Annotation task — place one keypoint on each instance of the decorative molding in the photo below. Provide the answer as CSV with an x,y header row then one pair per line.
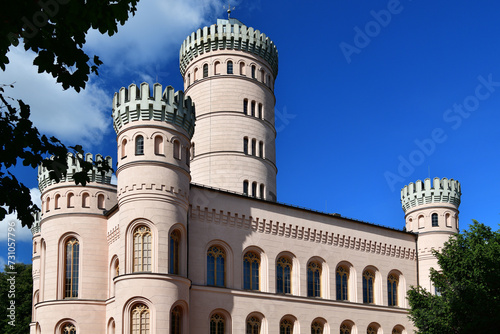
x,y
114,234
300,232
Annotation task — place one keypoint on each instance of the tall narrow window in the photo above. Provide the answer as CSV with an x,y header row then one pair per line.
x,y
229,67
68,328
139,145
159,145
368,280
70,200
262,193
314,279
392,289
245,106
142,249
262,75
371,330
251,268
283,275
254,147
253,71
245,145
85,200
205,70
124,148
316,328
177,149
47,206
140,320
254,189
260,111
217,68
100,202
57,202
261,149
188,159
242,68
189,79
253,108
245,187
71,268
216,261
217,324
345,329
195,75
342,276
175,239
253,325
176,320
286,326
434,218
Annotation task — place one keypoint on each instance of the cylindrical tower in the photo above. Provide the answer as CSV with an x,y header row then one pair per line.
x,y
431,210
70,249
154,134
229,71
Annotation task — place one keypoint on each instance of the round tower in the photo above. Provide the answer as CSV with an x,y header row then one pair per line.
x,y
154,134
431,211
229,71
69,250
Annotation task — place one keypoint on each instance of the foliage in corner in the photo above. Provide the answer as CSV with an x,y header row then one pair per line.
x,y
467,285
20,293
55,31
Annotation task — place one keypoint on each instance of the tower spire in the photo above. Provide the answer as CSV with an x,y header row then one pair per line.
x,y
229,9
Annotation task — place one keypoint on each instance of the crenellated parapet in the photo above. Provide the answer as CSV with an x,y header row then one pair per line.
x,y
135,104
44,179
228,35
431,191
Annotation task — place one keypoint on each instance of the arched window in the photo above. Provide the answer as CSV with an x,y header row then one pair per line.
x,y
68,328
177,149
317,327
142,249
217,324
283,275
47,206
100,202
175,239
262,192
286,326
262,75
57,202
176,320
245,187
368,284
140,320
342,276
251,269
252,110
245,106
254,189
371,330
314,279
434,218
242,68
261,149
253,325
392,289
124,148
345,329
205,70
195,75
253,71
71,268
245,145
217,68
70,200
189,79
260,111
188,159
229,67
139,145
396,330
254,147
216,266
86,200
159,145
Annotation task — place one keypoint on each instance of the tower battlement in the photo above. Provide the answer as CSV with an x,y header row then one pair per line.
x,y
228,35
44,179
134,104
435,191
35,228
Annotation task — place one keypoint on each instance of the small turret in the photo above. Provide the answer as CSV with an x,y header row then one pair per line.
x,y
431,210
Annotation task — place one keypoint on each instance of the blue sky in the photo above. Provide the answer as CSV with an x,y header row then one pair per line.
x,y
371,95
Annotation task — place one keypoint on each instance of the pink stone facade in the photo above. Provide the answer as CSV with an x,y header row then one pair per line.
x,y
192,238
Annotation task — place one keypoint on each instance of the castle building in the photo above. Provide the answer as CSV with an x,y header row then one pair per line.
x,y
192,238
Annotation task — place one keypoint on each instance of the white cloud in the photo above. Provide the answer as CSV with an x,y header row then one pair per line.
x,y
21,233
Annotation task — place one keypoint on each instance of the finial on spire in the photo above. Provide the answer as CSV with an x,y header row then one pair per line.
x,y
229,9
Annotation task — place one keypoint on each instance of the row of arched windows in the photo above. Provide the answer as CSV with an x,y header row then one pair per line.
x,y
230,69
261,189
250,147
256,110
449,220
57,202
159,148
